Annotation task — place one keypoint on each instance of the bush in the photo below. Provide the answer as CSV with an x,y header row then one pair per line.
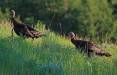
x,y
85,17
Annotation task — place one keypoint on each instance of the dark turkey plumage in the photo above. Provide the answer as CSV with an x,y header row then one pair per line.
x,y
87,46
24,30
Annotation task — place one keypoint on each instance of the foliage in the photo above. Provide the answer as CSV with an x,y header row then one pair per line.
x,y
88,18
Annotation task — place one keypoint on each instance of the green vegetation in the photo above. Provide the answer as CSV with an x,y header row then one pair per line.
x,y
88,18
49,55
54,54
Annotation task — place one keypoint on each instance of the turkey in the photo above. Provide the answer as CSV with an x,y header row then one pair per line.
x,y
24,30
87,46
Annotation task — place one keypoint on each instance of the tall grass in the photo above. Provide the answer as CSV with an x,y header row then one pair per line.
x,y
49,55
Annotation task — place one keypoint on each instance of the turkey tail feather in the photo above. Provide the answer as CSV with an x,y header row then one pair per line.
x,y
102,53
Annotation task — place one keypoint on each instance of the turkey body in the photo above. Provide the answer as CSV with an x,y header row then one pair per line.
x,y
88,47
85,45
24,30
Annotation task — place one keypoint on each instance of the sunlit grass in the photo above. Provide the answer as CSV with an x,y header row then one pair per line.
x,y
50,55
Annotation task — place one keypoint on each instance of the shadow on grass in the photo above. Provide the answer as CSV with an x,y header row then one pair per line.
x,y
13,62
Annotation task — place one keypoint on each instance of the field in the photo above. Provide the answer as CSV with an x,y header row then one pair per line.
x,y
50,55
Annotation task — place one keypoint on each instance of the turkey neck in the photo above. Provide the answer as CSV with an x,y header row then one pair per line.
x,y
77,42
73,40
15,23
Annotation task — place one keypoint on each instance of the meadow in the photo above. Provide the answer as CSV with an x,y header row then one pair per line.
x,y
50,55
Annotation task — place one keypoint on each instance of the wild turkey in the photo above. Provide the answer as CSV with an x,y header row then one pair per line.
x,y
87,46
24,30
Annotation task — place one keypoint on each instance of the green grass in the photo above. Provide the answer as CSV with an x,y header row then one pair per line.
x,y
50,55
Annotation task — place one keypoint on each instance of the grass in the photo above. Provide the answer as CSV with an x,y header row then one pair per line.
x,y
50,55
